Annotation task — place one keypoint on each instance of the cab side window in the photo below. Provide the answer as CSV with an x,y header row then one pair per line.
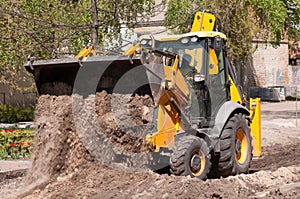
x,y
216,78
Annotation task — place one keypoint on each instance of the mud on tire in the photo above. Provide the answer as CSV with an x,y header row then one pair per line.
x,y
190,157
236,148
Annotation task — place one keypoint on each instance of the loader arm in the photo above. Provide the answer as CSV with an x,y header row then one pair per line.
x,y
173,98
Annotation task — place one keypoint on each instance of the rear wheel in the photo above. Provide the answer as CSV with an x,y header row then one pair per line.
x,y
191,157
236,148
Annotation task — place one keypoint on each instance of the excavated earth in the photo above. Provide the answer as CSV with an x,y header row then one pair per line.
x,y
95,148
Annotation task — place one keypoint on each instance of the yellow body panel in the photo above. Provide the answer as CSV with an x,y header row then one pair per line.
x,y
168,124
196,55
213,62
201,34
175,79
163,138
234,93
192,54
203,22
173,38
255,126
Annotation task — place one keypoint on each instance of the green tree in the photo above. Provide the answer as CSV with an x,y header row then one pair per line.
x,y
292,23
242,21
57,28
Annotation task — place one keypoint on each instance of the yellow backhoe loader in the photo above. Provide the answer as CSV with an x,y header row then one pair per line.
x,y
202,116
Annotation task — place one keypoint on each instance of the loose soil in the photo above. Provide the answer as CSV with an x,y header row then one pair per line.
x,y
83,153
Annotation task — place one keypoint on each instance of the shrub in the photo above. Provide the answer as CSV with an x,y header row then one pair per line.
x,y
9,114
15,143
292,98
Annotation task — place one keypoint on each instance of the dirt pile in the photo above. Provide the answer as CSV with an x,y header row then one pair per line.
x,y
57,146
101,182
78,146
72,131
124,119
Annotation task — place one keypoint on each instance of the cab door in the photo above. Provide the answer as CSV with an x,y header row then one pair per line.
x,y
216,79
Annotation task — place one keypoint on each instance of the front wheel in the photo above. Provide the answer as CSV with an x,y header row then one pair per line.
x,y
191,157
236,147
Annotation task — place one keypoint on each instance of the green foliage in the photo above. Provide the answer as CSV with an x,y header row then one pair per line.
x,y
49,29
179,15
241,21
56,28
9,114
271,16
41,28
15,143
292,24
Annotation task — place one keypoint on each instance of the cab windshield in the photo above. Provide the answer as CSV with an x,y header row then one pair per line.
x,y
189,50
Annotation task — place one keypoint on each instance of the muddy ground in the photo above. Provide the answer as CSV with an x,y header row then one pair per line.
x,y
62,167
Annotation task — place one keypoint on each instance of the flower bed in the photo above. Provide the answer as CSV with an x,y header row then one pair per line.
x,y
15,143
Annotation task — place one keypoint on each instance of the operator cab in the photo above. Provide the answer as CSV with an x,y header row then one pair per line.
x,y
201,60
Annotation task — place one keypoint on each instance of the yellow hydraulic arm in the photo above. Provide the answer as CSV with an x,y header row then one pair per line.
x,y
86,51
174,93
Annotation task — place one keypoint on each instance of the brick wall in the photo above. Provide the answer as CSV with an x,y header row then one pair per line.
x,y
271,64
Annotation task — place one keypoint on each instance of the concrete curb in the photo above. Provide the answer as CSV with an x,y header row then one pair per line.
x,y
21,125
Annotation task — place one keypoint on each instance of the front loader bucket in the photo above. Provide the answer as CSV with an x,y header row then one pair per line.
x,y
89,75
54,73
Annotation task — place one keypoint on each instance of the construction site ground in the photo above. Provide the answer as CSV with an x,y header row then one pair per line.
x,y
275,175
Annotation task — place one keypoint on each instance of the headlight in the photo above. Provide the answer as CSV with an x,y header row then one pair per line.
x,y
144,42
194,39
185,40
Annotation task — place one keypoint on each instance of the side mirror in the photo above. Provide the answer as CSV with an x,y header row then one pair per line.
x,y
218,43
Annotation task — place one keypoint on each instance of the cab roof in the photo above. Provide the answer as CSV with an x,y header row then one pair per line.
x,y
200,34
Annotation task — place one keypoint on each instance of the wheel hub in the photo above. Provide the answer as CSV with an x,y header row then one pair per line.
x,y
195,162
238,146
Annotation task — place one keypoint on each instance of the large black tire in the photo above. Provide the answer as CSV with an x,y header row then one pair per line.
x,y
236,148
191,157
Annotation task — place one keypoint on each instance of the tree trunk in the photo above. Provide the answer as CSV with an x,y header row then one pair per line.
x,y
95,40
